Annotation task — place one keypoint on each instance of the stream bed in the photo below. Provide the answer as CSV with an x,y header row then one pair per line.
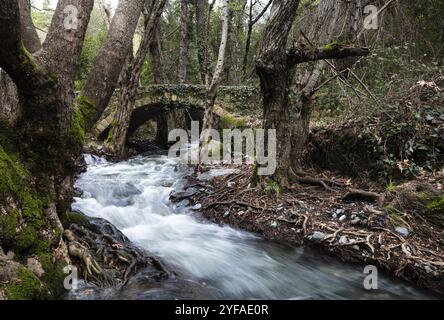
x,y
232,264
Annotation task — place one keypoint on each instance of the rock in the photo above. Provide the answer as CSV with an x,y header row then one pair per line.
x,y
334,216
274,224
402,231
356,247
35,267
428,269
339,211
342,218
355,221
317,236
231,184
226,213
197,206
343,240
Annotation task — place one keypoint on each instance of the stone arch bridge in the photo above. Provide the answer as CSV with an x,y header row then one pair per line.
x,y
174,106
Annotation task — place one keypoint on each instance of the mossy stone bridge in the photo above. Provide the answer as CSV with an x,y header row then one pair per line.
x,y
176,105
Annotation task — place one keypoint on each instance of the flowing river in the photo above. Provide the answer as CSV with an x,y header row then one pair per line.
x,y
134,196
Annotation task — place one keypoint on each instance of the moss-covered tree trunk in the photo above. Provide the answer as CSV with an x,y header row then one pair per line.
x,y
37,156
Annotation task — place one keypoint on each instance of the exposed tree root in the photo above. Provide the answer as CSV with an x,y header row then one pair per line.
x,y
301,177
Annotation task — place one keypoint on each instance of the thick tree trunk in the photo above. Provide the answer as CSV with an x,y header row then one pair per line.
x,y
276,76
129,90
104,75
184,40
275,67
9,107
43,159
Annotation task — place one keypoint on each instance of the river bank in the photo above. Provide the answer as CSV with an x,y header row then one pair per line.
x,y
338,220
210,260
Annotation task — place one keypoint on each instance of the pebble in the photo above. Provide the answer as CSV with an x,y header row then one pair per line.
x,y
274,224
428,269
342,218
197,206
334,215
226,213
317,236
343,240
231,184
340,211
402,231
355,221
355,247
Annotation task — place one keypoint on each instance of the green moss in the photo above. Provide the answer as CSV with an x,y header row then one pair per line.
x,y
228,121
436,205
88,111
77,129
54,275
69,218
8,226
331,46
27,287
395,216
26,57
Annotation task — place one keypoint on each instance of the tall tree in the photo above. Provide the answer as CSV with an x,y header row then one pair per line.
x,y
184,40
105,73
47,145
275,67
129,89
212,85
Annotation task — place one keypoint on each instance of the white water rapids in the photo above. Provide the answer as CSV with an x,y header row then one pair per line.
x,y
134,196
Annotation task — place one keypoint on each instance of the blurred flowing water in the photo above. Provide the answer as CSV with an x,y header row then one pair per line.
x,y
134,196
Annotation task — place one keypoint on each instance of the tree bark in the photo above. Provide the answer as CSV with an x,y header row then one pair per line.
x,y
212,87
105,73
275,67
9,107
202,38
184,40
159,74
129,90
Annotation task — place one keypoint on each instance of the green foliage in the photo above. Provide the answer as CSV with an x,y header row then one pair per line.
x,y
273,187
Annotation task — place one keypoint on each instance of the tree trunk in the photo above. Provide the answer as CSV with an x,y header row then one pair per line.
x,y
211,88
275,67
157,59
104,75
43,159
9,108
159,78
129,90
184,40
202,38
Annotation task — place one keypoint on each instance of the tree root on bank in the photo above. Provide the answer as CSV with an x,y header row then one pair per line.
x,y
367,195
301,177
107,259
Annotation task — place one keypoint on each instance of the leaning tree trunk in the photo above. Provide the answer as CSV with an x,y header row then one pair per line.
x,y
212,87
105,73
129,90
